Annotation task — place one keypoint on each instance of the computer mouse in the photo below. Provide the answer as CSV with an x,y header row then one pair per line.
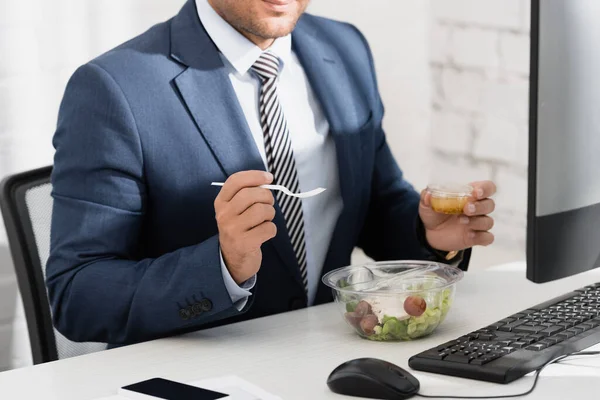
x,y
373,378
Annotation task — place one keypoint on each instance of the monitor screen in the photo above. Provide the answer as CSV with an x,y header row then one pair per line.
x,y
563,235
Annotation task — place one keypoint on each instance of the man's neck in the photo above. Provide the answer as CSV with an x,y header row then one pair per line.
x,y
257,40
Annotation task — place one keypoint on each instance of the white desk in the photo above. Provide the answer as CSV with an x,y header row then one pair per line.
x,y
291,355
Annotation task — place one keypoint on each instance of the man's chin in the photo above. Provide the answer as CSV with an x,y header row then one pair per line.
x,y
276,29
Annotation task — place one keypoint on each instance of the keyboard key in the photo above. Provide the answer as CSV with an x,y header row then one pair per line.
x,y
552,330
482,361
433,355
576,331
527,340
557,338
509,327
447,345
585,326
566,325
508,349
529,329
514,338
519,345
566,335
593,323
506,320
548,341
458,358
518,316
505,342
537,347
487,336
495,326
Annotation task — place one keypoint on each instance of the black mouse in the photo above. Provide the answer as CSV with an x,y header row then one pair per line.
x,y
373,378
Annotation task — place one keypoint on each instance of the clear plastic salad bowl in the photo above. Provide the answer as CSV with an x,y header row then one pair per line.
x,y
394,300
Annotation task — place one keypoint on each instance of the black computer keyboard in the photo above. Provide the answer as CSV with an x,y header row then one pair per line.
x,y
515,346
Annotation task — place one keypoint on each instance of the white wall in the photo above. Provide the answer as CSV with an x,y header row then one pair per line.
x,y
480,74
42,42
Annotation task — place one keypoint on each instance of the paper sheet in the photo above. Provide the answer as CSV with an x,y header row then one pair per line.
x,y
235,387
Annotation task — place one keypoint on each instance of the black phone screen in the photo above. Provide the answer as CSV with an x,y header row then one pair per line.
x,y
169,390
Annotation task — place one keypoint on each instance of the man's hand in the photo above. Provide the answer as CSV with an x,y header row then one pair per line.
x,y
459,232
244,214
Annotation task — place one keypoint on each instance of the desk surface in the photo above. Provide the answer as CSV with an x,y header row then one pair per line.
x,y
291,355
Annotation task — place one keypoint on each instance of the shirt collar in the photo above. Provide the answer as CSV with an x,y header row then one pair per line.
x,y
235,47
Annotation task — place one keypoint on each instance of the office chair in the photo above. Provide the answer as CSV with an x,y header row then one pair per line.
x,y
26,204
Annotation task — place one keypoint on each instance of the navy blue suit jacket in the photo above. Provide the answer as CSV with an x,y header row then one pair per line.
x,y
142,132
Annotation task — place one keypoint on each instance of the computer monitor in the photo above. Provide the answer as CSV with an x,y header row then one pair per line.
x,y
563,232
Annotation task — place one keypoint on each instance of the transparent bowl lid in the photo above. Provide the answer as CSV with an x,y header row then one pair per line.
x,y
450,190
393,277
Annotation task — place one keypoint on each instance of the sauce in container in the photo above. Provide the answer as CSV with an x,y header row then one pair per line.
x,y
449,198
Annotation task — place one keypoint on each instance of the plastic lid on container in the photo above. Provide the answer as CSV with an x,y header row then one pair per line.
x,y
450,190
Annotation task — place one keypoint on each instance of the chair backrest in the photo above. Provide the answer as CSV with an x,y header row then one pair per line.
x,y
26,204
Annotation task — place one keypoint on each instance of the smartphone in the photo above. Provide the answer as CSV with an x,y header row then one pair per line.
x,y
158,388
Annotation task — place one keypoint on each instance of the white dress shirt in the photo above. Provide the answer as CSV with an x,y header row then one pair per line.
x,y
314,148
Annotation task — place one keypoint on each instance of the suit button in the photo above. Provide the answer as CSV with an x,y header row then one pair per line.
x,y
184,314
196,309
297,304
206,305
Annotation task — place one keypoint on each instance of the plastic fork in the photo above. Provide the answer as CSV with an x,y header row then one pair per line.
x,y
285,190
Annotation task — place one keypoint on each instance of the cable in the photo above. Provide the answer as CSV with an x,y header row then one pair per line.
x,y
535,381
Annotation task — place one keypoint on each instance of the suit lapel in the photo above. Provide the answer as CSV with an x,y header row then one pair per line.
x,y
206,91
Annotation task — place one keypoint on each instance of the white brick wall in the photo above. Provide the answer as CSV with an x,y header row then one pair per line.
x,y
494,14
474,47
480,67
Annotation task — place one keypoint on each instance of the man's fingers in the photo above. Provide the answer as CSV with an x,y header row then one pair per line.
x,y
484,223
477,238
426,198
246,197
260,234
243,179
256,215
483,189
482,207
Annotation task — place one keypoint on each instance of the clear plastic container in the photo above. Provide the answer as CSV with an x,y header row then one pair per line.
x,y
449,198
396,300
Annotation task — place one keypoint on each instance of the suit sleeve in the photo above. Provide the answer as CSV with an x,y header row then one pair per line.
x,y
393,229
100,287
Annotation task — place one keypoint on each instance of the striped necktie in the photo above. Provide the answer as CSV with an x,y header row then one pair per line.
x,y
280,156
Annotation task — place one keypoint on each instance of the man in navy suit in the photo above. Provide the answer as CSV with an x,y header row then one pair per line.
x,y
144,246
